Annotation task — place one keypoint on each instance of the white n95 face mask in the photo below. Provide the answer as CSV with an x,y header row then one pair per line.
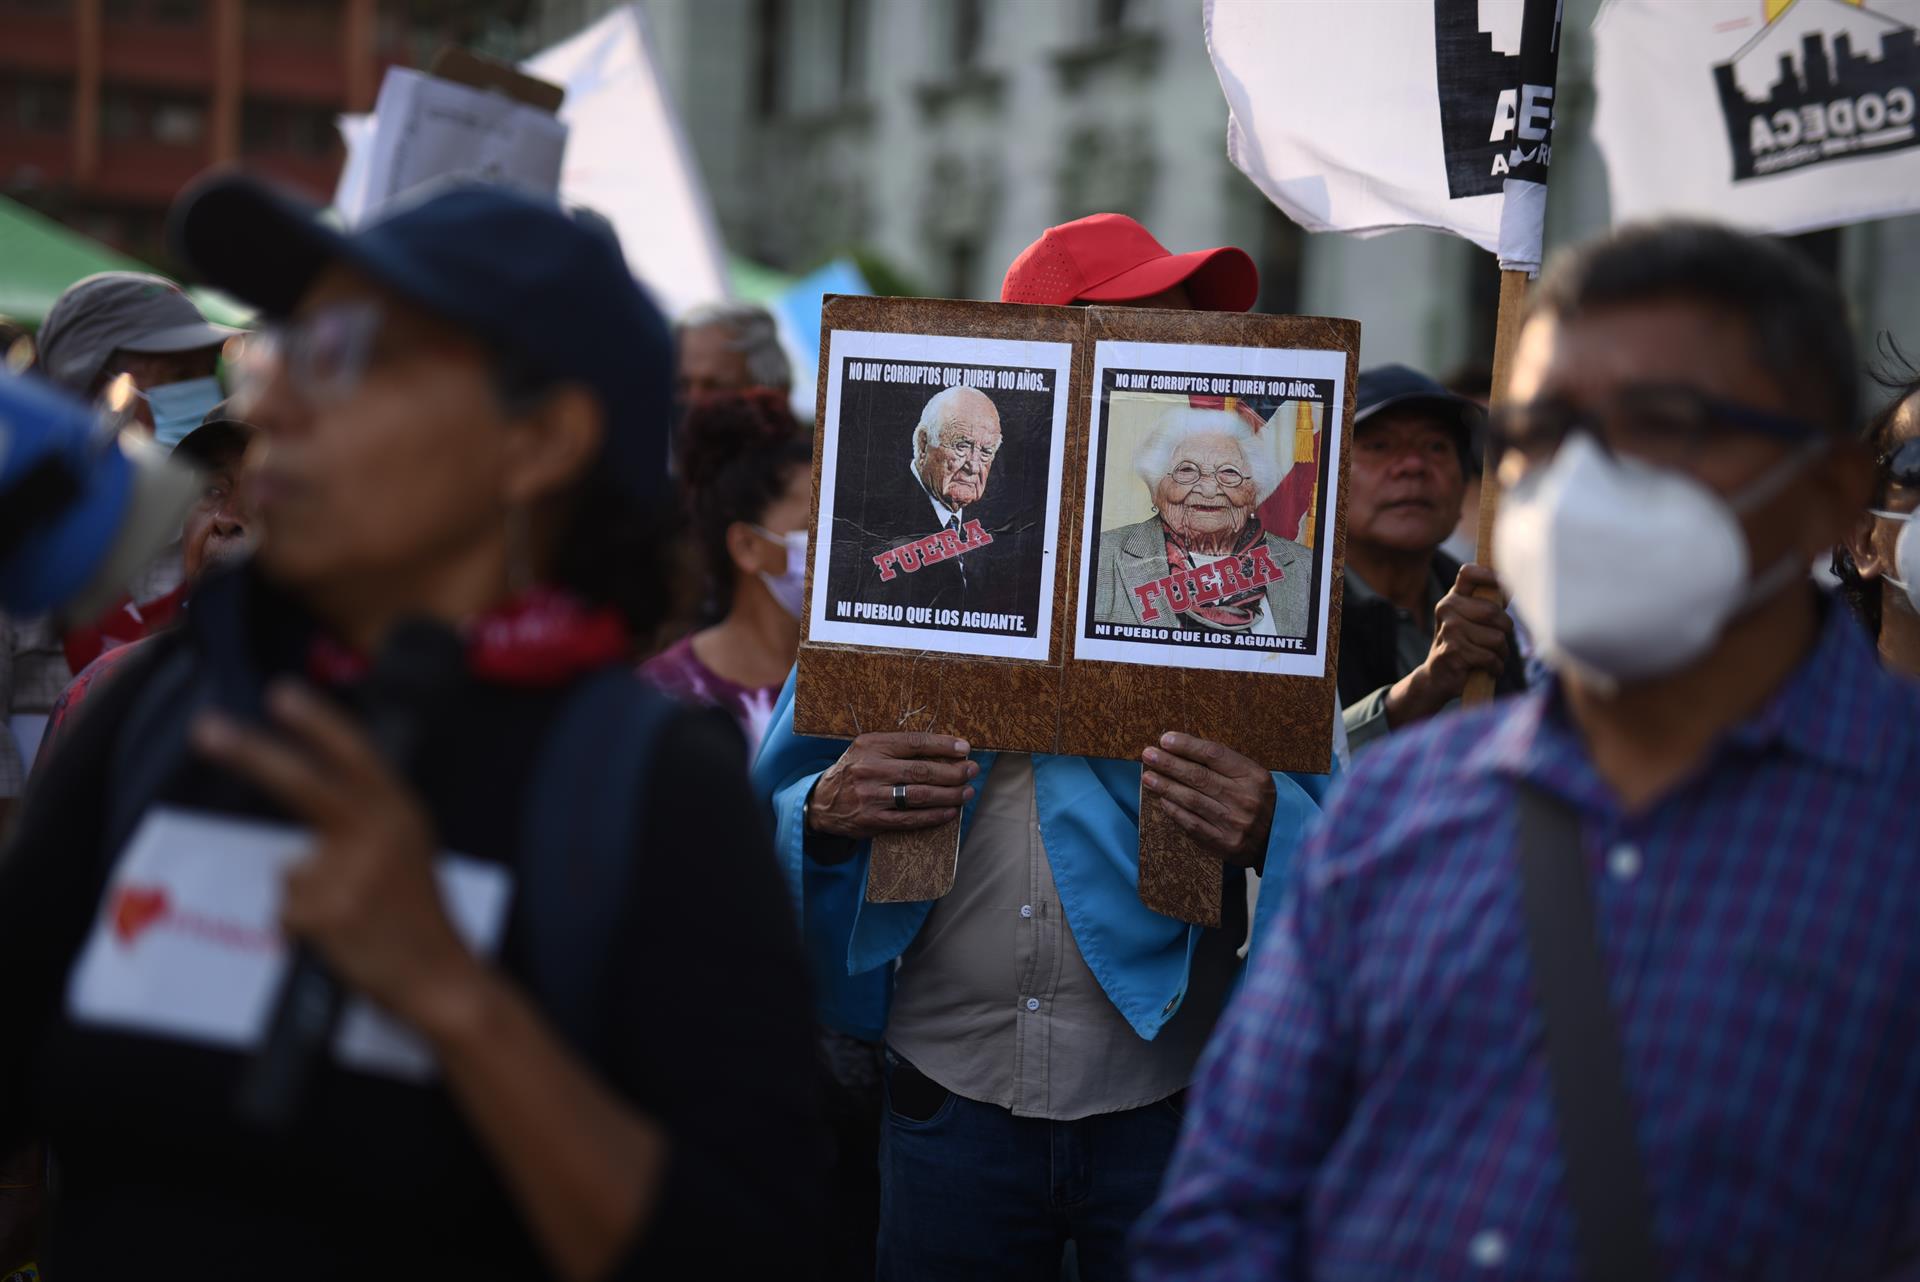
x,y
1622,570
789,587
1906,555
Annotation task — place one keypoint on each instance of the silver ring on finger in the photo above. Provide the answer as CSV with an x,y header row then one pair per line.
x,y
899,796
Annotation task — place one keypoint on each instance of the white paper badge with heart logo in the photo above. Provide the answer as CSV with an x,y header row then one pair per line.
x,y
187,942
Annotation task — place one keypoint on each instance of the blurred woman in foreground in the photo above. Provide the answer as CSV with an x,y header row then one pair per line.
x,y
551,1065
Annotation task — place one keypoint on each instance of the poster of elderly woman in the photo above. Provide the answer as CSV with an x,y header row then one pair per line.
x,y
1210,484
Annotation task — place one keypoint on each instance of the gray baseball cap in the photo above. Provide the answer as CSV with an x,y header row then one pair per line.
x,y
119,311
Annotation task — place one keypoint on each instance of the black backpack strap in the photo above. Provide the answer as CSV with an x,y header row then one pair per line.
x,y
152,739
1612,1211
584,813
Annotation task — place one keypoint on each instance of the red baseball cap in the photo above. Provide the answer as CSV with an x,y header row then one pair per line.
x,y
1109,258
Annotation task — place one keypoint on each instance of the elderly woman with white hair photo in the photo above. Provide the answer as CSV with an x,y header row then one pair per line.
x,y
1202,560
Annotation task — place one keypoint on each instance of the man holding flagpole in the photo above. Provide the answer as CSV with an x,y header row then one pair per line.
x,y
1436,113
1613,979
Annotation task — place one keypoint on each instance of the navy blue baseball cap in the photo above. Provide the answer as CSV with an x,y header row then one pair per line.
x,y
517,271
1390,386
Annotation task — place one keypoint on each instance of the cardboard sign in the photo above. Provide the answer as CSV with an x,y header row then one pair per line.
x,y
1069,530
431,128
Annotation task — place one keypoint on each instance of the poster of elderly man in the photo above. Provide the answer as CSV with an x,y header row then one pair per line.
x,y
1209,485
941,481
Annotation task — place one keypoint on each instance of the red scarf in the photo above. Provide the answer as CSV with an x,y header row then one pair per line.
x,y
543,638
1234,613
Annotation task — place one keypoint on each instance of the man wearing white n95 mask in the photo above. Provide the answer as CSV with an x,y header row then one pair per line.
x,y
1721,773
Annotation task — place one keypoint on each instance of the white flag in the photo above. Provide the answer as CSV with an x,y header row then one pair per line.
x,y
628,160
1365,116
1777,115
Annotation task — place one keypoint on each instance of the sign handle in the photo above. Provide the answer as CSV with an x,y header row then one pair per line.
x,y
1177,875
907,867
1506,336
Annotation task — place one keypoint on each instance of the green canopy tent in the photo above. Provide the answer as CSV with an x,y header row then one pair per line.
x,y
756,282
39,258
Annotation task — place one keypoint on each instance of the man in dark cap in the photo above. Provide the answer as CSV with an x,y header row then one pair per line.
x,y
217,531
1411,630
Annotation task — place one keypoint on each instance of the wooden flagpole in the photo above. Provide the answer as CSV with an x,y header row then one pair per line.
x,y
1506,336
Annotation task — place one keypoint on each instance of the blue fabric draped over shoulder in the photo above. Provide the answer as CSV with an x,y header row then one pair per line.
x,y
1090,821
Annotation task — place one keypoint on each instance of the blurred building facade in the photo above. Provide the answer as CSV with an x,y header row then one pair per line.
x,y
111,106
943,135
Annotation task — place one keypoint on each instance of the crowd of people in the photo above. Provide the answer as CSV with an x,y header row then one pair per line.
x,y
680,1042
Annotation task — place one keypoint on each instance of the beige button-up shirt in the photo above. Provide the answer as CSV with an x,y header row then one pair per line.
x,y
995,1003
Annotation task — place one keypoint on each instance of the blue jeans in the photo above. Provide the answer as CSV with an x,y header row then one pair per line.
x,y
969,1191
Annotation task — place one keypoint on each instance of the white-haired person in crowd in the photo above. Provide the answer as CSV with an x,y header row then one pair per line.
x,y
1202,559
720,349
729,347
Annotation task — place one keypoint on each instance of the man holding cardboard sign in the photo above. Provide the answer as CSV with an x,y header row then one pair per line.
x,y
1074,1058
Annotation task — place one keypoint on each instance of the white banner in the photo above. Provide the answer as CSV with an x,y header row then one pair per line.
x,y
1781,116
628,160
1366,116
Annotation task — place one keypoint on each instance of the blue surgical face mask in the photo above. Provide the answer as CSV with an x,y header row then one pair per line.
x,y
178,408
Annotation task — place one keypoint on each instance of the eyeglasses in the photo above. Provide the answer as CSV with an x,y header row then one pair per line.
x,y
324,354
965,450
1661,424
1901,465
1188,475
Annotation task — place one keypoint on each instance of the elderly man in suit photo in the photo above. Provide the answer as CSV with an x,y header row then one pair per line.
x,y
929,540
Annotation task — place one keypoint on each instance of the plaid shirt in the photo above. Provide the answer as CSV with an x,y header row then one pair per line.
x,y
1375,1104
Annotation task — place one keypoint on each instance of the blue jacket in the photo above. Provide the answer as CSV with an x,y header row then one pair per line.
x,y
1089,819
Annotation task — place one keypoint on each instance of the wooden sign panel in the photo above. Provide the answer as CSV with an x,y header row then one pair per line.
x,y
912,625
1163,636
1067,530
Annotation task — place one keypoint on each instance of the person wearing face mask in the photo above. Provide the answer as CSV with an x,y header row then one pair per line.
x,y
1729,776
1879,564
143,326
746,489
101,327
